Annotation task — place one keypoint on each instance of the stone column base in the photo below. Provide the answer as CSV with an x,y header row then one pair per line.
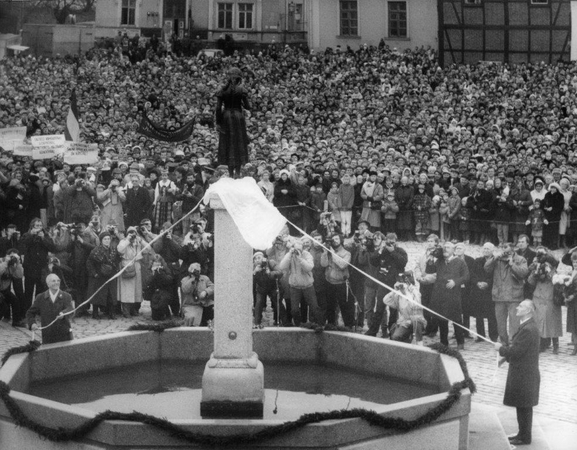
x,y
233,388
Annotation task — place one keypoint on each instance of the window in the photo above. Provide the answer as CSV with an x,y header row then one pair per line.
x,y
245,16
225,15
349,18
472,2
397,19
128,12
539,2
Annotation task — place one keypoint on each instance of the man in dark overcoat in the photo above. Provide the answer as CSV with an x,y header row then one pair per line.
x,y
523,378
451,274
481,303
138,203
51,305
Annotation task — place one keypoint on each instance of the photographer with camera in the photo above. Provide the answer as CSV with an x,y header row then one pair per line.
x,y
548,314
130,284
111,201
509,272
196,248
10,239
197,294
101,265
265,275
11,273
160,289
299,264
390,260
365,245
337,273
410,319
35,246
191,194
79,201
79,249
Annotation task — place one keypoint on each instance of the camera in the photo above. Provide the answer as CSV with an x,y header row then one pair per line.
x,y
264,264
13,260
438,252
195,228
79,182
111,229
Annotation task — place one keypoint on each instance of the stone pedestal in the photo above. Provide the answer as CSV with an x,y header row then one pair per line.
x,y
233,380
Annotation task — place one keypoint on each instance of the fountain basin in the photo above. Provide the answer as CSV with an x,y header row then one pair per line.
x,y
348,351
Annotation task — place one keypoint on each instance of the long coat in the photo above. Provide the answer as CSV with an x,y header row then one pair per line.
x,y
60,330
547,315
130,289
444,301
233,138
373,216
112,211
481,303
138,203
523,378
404,197
98,258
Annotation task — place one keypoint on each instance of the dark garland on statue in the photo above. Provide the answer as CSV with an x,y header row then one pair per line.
x,y
390,423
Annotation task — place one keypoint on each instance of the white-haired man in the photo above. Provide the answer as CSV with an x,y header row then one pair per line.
x,y
51,305
523,378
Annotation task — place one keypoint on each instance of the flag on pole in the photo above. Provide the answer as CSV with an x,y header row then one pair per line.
x,y
72,131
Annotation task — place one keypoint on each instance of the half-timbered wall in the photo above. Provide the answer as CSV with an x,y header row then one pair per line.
x,y
513,31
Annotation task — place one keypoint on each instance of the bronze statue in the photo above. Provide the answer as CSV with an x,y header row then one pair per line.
x,y
231,124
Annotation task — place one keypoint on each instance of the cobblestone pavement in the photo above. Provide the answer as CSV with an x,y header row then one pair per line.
x,y
558,372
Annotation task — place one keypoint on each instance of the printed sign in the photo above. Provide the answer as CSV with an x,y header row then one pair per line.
x,y
11,137
23,150
81,153
47,147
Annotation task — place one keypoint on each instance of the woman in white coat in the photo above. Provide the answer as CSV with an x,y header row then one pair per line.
x,y
130,282
111,201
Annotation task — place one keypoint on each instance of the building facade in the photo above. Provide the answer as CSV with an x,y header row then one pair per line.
x,y
511,31
402,24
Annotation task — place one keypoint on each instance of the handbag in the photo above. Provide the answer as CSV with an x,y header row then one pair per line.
x,y
106,270
376,205
129,272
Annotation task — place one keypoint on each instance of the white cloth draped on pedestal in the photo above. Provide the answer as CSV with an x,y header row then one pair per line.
x,y
258,221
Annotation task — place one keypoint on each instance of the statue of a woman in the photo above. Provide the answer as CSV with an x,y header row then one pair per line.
x,y
231,125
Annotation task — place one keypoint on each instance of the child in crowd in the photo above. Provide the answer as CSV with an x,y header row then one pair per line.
x,y
464,220
389,210
536,220
334,202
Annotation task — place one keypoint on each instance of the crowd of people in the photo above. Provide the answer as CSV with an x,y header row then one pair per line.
x,y
348,144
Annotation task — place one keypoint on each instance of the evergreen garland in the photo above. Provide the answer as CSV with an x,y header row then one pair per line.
x,y
390,423
158,327
30,347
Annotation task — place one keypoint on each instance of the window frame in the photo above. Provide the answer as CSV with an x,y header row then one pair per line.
x,y
224,11
390,20
539,3
472,3
352,31
245,13
128,9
